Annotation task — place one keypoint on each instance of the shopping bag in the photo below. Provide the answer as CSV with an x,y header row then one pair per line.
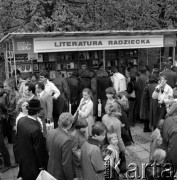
x,y
44,175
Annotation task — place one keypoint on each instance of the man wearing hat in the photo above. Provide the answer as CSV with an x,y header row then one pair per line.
x,y
31,143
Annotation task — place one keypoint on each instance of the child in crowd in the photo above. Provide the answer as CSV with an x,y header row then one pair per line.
x,y
155,169
112,155
156,139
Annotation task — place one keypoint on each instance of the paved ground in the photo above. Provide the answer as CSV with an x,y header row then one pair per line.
x,y
138,152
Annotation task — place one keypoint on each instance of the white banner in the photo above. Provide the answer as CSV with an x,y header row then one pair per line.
x,y
96,43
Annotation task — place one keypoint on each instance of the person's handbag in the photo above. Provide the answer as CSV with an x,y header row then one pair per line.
x,y
44,175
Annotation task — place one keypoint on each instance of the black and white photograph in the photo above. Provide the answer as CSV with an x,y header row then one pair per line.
x,y
48,66
88,89
35,67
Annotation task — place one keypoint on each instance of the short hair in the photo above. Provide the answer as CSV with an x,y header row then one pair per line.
x,y
110,90
11,83
45,74
114,69
98,128
35,75
75,73
170,59
163,76
41,85
31,87
89,92
159,155
111,136
81,124
101,73
65,119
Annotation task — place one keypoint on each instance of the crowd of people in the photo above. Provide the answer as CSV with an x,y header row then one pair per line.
x,y
92,113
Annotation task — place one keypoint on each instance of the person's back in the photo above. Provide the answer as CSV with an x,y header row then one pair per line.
x,y
57,140
59,146
74,97
90,158
31,148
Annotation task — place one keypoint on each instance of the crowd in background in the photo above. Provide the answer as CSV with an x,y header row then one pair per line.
x,y
92,112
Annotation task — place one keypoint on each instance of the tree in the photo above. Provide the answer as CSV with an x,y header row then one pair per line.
x,y
86,15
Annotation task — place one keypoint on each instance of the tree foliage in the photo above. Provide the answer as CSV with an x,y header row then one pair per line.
x,y
86,15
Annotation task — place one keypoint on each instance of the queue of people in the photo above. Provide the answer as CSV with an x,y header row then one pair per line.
x,y
92,113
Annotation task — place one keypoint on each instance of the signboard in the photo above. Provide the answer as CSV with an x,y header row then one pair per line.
x,y
23,46
96,43
32,56
23,67
170,40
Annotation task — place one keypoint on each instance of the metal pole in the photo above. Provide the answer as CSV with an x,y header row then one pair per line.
x,y
10,59
104,62
147,58
6,63
160,60
174,60
15,68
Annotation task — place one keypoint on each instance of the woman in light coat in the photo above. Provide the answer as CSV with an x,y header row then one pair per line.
x,y
85,110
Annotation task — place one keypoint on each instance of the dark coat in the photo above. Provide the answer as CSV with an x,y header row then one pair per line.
x,y
142,81
60,149
31,148
145,104
102,84
62,84
74,94
171,77
154,106
169,135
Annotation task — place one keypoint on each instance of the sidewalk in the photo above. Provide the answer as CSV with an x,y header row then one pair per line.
x,y
138,152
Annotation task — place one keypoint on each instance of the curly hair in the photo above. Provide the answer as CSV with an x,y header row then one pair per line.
x,y
111,90
19,104
11,83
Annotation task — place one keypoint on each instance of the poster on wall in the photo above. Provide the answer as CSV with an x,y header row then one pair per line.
x,y
52,75
35,67
41,67
48,66
64,74
52,57
24,45
40,58
23,67
32,56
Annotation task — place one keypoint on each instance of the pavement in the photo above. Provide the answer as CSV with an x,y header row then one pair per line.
x,y
138,154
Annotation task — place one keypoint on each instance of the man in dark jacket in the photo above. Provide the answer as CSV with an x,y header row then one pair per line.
x,y
169,136
73,86
60,149
31,143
